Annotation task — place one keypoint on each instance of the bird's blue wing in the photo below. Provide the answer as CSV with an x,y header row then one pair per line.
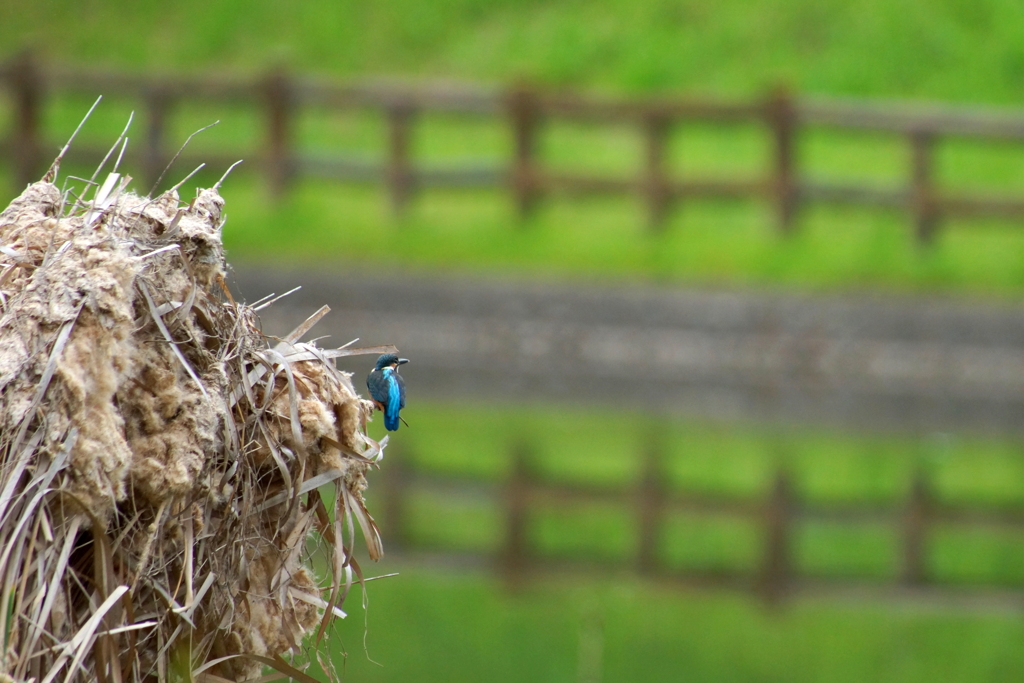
x,y
396,398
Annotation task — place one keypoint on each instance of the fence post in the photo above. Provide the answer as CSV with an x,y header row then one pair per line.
x,y
774,579
782,118
277,95
650,504
656,130
525,117
26,84
922,196
399,173
517,494
915,520
154,162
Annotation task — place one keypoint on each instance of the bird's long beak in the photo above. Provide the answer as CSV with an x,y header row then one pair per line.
x,y
403,361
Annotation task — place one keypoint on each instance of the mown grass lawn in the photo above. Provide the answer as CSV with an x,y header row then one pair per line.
x,y
444,626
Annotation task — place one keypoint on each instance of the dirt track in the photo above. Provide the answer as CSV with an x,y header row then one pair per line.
x,y
904,363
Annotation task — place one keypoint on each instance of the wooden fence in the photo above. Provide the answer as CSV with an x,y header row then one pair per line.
x,y
779,514
526,111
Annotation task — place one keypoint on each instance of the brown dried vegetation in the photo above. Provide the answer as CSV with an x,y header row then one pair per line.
x,y
161,460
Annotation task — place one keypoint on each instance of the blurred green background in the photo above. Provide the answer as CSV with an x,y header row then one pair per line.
x,y
951,52
434,624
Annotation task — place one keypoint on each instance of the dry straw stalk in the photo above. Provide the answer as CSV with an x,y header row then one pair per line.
x,y
162,462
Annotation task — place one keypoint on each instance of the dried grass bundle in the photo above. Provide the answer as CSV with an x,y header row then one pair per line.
x,y
161,461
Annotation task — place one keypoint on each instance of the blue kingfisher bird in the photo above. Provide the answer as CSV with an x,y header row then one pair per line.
x,y
387,388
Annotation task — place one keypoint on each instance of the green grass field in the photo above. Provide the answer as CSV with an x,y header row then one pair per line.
x,y
425,625
938,49
469,625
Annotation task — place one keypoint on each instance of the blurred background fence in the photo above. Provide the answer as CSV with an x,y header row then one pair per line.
x,y
517,503
282,97
857,364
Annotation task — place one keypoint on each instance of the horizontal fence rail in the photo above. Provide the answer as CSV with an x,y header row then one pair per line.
x,y
526,111
778,514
